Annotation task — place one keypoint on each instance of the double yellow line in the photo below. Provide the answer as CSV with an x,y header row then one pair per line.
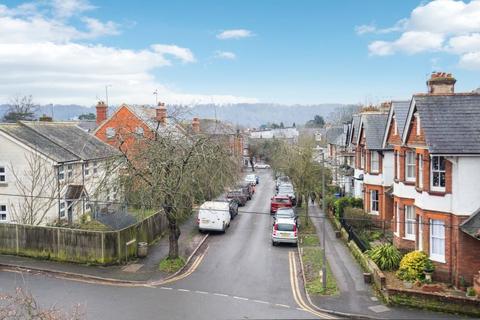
x,y
185,274
297,294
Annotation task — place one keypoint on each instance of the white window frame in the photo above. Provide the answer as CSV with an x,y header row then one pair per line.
x,y
86,169
397,219
110,132
410,222
3,174
437,256
410,165
3,213
61,172
420,171
374,160
397,168
376,201
420,233
139,131
62,206
69,170
439,171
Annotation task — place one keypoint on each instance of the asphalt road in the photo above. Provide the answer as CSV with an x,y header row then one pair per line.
x,y
242,276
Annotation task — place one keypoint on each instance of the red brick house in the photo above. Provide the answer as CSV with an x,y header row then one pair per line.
x,y
376,163
436,192
129,123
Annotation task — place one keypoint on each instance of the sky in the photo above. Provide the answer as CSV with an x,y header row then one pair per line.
x,y
289,51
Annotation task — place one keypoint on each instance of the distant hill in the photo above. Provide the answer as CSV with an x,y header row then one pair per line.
x,y
250,115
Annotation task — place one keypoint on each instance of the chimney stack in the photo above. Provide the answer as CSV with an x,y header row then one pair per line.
x,y
101,112
45,118
196,125
161,113
441,83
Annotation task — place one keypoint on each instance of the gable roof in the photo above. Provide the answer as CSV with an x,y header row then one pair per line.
x,y
451,123
60,141
373,124
333,135
471,226
400,109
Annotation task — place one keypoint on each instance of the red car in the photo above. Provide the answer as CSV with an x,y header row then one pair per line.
x,y
280,202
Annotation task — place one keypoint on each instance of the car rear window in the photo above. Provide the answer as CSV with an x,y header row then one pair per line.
x,y
287,214
282,200
284,227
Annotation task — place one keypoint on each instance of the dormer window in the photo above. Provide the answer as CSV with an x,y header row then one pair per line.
x,y
110,132
437,173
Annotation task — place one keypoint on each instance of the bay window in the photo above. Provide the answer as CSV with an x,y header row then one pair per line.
x,y
410,166
437,173
437,240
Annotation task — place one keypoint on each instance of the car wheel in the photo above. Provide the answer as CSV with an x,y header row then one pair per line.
x,y
274,243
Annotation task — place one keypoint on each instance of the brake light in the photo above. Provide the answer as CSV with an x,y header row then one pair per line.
x,y
294,230
275,228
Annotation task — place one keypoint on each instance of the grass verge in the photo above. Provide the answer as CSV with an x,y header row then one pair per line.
x,y
171,265
312,259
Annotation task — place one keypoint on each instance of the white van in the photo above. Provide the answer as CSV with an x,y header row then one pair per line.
x,y
214,215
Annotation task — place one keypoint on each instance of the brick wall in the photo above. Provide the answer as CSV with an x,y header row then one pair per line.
x,y
412,137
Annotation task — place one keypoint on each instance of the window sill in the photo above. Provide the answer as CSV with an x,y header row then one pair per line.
x,y
409,238
438,259
374,213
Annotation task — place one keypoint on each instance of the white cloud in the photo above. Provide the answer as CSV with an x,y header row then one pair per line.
x,y
441,25
235,34
49,58
225,55
68,8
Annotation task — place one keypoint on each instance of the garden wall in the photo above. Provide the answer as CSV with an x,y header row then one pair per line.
x,y
80,246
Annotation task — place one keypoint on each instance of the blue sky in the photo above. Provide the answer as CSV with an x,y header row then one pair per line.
x,y
298,52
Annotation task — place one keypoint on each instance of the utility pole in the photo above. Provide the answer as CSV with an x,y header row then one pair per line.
x,y
106,93
324,261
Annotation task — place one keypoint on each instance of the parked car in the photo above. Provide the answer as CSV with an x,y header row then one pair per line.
x,y
214,215
233,208
239,195
279,202
286,189
248,188
287,213
261,166
284,231
281,180
251,178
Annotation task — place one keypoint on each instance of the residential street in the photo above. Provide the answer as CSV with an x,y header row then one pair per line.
x,y
241,276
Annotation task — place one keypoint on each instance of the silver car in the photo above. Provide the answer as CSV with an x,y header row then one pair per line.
x,y
284,231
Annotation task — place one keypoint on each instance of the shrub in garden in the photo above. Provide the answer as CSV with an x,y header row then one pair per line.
x,y
386,256
412,266
357,218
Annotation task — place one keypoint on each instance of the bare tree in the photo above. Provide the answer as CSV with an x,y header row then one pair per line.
x,y
23,305
173,170
21,108
343,114
37,188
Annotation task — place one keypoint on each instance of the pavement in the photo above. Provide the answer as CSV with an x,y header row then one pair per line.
x,y
355,296
138,270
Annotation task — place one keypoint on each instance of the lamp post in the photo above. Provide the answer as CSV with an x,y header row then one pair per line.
x,y
324,263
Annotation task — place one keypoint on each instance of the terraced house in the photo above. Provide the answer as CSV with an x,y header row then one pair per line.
x,y
436,195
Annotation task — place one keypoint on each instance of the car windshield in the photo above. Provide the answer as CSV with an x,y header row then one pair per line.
x,y
285,227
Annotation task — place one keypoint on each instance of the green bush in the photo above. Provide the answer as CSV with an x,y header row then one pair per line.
x,y
412,266
344,202
471,292
358,219
386,256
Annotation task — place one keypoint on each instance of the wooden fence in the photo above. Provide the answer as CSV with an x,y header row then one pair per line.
x,y
80,246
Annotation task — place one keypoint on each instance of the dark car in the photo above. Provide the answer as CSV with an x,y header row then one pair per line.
x,y
248,188
233,207
239,195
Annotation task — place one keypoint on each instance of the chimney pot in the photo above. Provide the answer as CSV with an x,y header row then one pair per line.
x,y
196,125
441,83
161,113
101,112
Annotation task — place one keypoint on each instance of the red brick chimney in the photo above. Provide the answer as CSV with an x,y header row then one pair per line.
x,y
196,125
441,83
161,113
101,112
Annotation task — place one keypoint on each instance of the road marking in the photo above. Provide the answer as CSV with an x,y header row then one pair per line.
x,y
183,290
166,288
190,270
260,301
282,305
240,298
201,292
220,295
297,296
